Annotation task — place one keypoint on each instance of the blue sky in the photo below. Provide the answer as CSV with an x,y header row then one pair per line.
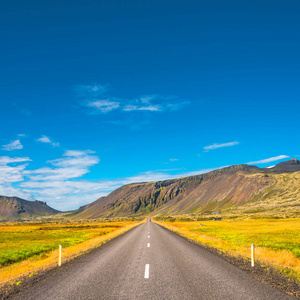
x,y
96,94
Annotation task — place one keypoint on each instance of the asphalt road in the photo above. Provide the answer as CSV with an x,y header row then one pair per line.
x,y
149,262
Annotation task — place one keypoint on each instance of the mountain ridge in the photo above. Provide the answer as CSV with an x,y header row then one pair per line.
x,y
16,208
212,192
205,193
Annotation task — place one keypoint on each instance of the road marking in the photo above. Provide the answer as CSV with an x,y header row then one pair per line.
x,y
147,271
148,245
148,236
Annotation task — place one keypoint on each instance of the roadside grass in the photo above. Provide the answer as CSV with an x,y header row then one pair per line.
x,y
26,249
277,241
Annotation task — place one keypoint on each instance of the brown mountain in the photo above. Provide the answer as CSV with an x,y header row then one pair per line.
x,y
227,189
291,165
219,189
15,208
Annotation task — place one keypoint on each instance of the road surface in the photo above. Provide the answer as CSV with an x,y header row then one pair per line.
x,y
149,262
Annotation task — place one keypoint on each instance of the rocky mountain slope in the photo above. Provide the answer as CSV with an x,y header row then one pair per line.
x,y
236,190
291,165
16,208
210,193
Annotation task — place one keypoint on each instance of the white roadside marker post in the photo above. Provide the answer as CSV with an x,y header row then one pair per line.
x,y
59,256
252,255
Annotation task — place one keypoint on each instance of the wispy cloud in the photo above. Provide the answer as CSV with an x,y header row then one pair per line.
x,y
79,161
77,152
131,107
173,159
103,106
74,164
216,146
95,98
267,160
90,91
14,145
9,174
45,139
4,160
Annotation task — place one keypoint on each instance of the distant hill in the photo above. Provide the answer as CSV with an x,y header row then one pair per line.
x,y
220,190
15,208
291,165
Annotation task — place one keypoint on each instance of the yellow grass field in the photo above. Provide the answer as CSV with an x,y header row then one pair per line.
x,y
26,249
277,241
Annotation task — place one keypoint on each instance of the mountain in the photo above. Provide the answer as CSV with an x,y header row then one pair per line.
x,y
229,189
239,189
291,165
15,208
208,192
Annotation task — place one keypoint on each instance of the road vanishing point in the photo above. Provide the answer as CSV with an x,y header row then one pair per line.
x,y
150,262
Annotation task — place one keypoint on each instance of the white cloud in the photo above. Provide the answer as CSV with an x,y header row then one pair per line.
x,y
77,152
11,174
173,159
76,158
92,96
90,91
45,139
4,160
44,174
9,191
14,145
216,146
267,160
154,103
104,106
74,164
149,108
79,162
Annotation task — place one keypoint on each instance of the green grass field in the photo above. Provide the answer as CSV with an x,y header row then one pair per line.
x,y
277,241
29,248
20,242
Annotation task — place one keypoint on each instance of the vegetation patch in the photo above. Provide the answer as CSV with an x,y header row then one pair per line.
x,y
277,241
27,248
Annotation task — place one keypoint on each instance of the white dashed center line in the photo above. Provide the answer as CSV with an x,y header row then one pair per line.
x,y
147,271
148,245
148,236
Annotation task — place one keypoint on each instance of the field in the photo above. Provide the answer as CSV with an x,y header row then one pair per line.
x,y
26,249
277,241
